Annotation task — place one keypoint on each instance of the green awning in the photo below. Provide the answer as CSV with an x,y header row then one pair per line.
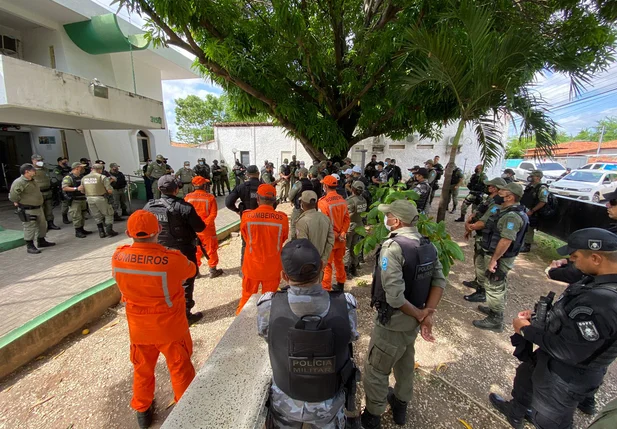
x,y
102,35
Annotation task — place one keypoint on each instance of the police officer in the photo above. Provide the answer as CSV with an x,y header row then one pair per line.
x,y
26,195
284,177
303,184
119,195
62,169
202,169
74,193
455,183
267,175
356,205
490,205
508,175
315,226
105,172
264,168
99,192
299,323
180,224
576,338
534,198
371,167
216,179
154,172
423,189
147,181
239,172
502,239
294,166
86,162
43,181
185,175
408,283
225,177
476,189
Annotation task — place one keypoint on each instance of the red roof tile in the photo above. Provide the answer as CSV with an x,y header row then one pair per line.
x,y
244,124
572,148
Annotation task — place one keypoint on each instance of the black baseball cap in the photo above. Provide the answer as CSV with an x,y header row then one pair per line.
x,y
168,183
422,172
301,260
596,239
252,169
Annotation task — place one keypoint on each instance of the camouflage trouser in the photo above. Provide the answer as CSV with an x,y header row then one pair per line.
x,y
284,192
76,210
387,351
225,182
295,214
496,286
351,259
454,197
186,189
287,413
65,207
47,205
101,210
155,188
120,200
531,231
36,227
470,200
217,188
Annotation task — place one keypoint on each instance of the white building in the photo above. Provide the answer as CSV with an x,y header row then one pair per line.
x,y
72,83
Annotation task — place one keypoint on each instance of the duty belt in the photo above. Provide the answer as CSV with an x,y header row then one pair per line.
x,y
45,190
29,207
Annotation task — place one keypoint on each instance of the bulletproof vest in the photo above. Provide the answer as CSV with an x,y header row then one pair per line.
x,y
490,233
317,188
42,179
483,206
186,175
158,170
310,356
361,207
306,186
456,176
93,185
424,195
530,195
76,195
560,315
120,182
248,194
420,259
216,170
286,170
202,170
476,183
175,231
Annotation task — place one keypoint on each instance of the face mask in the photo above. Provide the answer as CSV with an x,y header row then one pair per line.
x,y
498,199
158,161
40,163
385,163
504,176
385,222
201,163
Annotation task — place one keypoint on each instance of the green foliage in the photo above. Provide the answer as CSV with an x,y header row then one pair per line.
x,y
593,134
376,232
516,147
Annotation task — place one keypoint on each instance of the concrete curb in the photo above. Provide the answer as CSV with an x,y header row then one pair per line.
x,y
10,239
23,344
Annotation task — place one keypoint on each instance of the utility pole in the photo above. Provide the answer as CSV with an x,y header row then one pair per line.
x,y
600,141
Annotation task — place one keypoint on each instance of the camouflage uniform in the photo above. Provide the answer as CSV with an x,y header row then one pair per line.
x,y
288,413
225,178
154,172
77,206
185,174
43,180
27,193
540,195
97,188
356,204
59,173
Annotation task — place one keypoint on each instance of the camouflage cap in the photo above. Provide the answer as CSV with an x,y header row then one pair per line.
x,y
77,164
358,185
113,165
37,157
187,162
537,173
429,162
404,210
303,172
515,188
509,171
160,157
498,182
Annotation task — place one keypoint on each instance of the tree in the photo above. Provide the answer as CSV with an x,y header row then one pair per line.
x,y
517,147
329,70
196,116
484,66
593,134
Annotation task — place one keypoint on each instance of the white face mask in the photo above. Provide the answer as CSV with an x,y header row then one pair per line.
x,y
40,163
385,222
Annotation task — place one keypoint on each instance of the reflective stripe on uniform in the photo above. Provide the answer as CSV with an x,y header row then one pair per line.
x,y
201,200
162,275
277,225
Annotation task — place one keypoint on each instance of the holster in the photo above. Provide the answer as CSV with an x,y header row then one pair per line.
x,y
497,276
22,215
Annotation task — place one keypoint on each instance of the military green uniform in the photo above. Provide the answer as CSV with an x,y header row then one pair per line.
x,y
296,212
266,177
356,205
155,171
96,187
225,178
57,178
455,181
392,345
78,204
43,180
540,195
508,227
28,194
607,419
294,166
185,174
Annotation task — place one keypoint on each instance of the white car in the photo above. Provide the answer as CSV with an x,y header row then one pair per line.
x,y
587,185
551,170
600,166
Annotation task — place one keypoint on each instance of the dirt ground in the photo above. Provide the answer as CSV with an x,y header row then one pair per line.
x,y
85,381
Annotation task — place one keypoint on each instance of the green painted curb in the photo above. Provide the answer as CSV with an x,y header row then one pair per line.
x,y
11,239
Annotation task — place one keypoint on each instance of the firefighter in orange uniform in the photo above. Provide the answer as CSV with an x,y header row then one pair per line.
x,y
150,278
264,230
205,206
335,207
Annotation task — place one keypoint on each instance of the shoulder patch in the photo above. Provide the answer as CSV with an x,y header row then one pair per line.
x,y
588,330
384,263
265,297
351,300
510,225
494,209
580,310
544,192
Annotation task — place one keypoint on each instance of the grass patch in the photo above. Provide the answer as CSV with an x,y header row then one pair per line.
x,y
361,283
546,246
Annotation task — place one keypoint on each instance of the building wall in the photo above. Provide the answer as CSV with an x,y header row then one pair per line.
x,y
50,152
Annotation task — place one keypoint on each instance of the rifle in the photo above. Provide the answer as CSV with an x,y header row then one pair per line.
x,y
523,349
351,388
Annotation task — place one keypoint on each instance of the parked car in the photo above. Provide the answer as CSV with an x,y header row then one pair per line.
x,y
587,185
612,166
552,170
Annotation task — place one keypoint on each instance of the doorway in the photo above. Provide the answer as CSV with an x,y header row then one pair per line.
x,y
15,150
143,146
245,158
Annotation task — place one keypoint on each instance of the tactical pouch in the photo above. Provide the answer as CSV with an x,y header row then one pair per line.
x,y
22,215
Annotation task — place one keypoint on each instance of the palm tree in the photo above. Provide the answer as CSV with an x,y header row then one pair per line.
x,y
486,73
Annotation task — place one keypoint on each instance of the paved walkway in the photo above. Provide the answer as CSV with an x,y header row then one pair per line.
x,y
32,284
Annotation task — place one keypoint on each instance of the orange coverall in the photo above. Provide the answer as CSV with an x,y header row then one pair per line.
x,y
335,207
265,231
205,206
150,278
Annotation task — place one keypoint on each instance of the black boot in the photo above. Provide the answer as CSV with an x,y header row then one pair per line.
x,y
117,218
478,296
41,242
339,287
215,272
588,405
472,284
194,317
460,219
492,322
31,248
101,228
508,409
83,231
526,248
370,421
144,419
125,213
51,225
353,271
453,209
65,219
109,229
484,309
79,233
399,408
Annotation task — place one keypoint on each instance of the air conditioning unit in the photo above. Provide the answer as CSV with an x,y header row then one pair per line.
x,y
8,45
412,138
378,148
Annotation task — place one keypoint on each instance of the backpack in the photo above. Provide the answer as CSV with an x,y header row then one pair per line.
x,y
550,208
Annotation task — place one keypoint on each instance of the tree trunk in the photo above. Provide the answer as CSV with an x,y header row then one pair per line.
x,y
445,190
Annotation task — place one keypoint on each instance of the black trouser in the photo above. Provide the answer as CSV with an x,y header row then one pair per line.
x,y
148,185
189,251
552,390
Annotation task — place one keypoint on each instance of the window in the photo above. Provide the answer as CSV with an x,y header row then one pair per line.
x,y
610,167
397,146
527,166
611,177
547,166
143,146
426,146
245,158
586,167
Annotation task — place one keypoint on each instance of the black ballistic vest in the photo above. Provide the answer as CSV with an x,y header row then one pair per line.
x,y
285,169
426,192
306,186
530,196
490,233
248,194
310,356
174,230
420,258
76,195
